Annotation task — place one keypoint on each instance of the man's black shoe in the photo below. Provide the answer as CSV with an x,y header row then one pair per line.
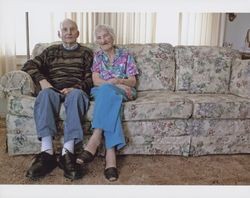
x,y
71,169
43,164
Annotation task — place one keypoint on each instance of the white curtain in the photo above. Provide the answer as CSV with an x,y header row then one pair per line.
x,y
201,29
128,27
7,42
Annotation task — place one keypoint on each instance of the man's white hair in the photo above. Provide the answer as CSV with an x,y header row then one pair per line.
x,y
69,20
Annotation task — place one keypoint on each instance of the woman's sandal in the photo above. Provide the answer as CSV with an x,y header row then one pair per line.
x,y
85,157
111,174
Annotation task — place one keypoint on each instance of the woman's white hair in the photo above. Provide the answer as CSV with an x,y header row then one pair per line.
x,y
105,27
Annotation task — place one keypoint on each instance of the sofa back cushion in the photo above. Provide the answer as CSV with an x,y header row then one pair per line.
x,y
240,79
203,69
156,66
155,63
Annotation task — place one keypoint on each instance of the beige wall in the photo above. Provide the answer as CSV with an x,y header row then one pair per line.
x,y
236,30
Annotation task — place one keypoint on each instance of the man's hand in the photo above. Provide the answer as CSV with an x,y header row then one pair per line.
x,y
65,91
45,84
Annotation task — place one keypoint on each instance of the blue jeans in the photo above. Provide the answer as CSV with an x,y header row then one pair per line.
x,y
47,108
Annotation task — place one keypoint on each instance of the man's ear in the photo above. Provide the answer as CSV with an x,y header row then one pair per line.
x,y
59,34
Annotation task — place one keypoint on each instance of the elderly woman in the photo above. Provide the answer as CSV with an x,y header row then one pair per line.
x,y
114,72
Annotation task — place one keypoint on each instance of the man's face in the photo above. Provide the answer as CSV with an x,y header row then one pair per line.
x,y
69,32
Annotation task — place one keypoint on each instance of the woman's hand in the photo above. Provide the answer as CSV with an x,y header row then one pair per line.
x,y
115,81
130,81
127,90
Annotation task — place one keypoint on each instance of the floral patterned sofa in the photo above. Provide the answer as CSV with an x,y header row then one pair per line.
x,y
192,100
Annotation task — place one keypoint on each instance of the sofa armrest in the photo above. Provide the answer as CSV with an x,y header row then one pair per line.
x,y
240,78
16,83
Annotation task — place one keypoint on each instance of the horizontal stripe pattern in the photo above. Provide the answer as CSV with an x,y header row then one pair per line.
x,y
62,68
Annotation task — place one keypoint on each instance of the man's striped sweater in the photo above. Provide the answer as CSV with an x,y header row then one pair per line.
x,y
62,68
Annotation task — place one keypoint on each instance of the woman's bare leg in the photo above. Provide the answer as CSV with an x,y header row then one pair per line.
x,y
110,158
94,141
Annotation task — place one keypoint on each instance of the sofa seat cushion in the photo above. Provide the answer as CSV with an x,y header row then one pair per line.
x,y
222,106
152,105
149,105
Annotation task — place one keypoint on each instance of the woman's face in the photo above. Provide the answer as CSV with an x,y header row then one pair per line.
x,y
104,40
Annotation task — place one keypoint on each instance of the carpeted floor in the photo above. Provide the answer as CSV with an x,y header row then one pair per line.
x,y
137,170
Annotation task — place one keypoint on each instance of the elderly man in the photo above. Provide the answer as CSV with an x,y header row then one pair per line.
x,y
64,73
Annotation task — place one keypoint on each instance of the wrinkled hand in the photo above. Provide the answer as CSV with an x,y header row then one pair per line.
x,y
127,90
114,80
45,84
65,91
